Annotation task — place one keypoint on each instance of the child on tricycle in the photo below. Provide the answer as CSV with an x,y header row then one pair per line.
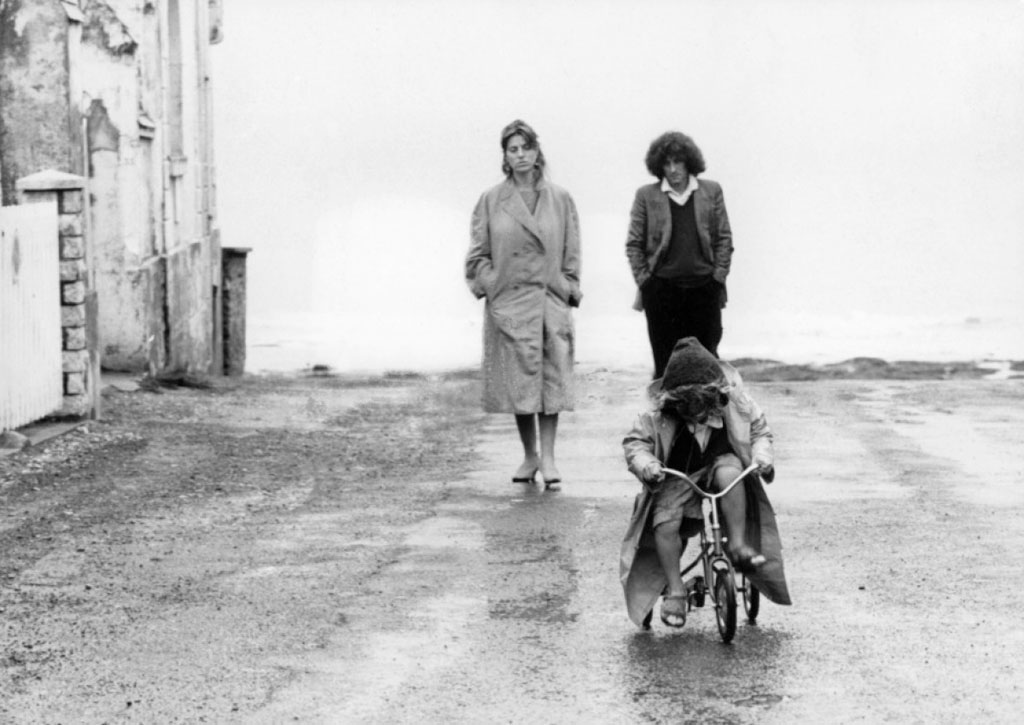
x,y
703,423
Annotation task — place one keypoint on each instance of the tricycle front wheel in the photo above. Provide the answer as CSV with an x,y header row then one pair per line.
x,y
725,604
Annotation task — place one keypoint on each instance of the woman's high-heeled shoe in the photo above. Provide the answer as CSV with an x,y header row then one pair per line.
x,y
525,479
554,479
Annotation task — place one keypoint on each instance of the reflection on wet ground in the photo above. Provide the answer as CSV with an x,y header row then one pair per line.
x,y
506,605
691,676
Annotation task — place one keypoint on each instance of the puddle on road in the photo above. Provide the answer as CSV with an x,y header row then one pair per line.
x,y
589,485
821,482
446,532
717,678
545,607
589,453
759,700
333,691
992,474
980,457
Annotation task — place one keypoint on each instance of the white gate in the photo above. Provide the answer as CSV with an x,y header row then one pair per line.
x,y
31,370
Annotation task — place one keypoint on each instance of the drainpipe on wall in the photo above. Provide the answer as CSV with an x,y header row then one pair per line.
x,y
92,295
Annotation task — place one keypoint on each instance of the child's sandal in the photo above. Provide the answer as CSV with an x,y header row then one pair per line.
x,y
673,609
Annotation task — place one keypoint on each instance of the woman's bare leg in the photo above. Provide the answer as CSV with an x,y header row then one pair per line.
x,y
548,424
527,425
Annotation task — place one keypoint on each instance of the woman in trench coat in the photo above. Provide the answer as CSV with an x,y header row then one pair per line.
x,y
524,260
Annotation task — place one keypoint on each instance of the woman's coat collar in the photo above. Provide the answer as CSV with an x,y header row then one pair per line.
x,y
511,201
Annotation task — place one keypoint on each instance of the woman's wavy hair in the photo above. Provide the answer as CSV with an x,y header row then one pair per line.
x,y
674,146
532,141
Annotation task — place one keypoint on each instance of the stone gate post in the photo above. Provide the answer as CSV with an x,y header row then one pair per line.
x,y
79,314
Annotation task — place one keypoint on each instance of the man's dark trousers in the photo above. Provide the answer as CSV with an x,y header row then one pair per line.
x,y
673,313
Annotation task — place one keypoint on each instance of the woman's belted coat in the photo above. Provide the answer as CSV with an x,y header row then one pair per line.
x,y
651,438
527,266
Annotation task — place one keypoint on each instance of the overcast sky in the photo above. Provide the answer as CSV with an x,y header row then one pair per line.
x,y
871,153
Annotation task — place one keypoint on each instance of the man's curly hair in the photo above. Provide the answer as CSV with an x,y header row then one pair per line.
x,y
677,146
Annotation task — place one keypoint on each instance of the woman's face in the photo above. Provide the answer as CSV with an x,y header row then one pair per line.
x,y
520,155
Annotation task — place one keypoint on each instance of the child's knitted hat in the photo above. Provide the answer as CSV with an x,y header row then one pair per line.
x,y
691,370
690,364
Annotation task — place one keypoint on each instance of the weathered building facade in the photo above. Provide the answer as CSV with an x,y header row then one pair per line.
x,y
118,92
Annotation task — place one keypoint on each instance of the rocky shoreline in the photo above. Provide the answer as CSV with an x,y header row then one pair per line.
x,y
872,368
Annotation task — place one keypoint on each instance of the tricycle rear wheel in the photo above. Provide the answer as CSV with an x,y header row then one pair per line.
x,y
751,599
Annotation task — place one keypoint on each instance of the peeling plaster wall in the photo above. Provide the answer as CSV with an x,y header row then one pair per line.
x,y
35,128
192,265
119,179
121,283
154,313
105,29
111,65
187,295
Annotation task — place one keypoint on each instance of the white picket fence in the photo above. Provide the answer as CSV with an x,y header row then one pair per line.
x,y
31,380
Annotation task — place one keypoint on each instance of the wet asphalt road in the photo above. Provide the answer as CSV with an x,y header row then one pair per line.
x,y
255,579
900,510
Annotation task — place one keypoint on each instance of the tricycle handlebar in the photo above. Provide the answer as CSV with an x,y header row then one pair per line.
x,y
697,474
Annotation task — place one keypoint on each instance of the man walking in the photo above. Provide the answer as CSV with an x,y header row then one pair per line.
x,y
679,248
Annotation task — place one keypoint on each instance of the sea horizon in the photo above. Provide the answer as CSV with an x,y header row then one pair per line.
x,y
294,342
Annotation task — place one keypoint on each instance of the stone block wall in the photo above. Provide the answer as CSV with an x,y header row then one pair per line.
x,y
80,351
